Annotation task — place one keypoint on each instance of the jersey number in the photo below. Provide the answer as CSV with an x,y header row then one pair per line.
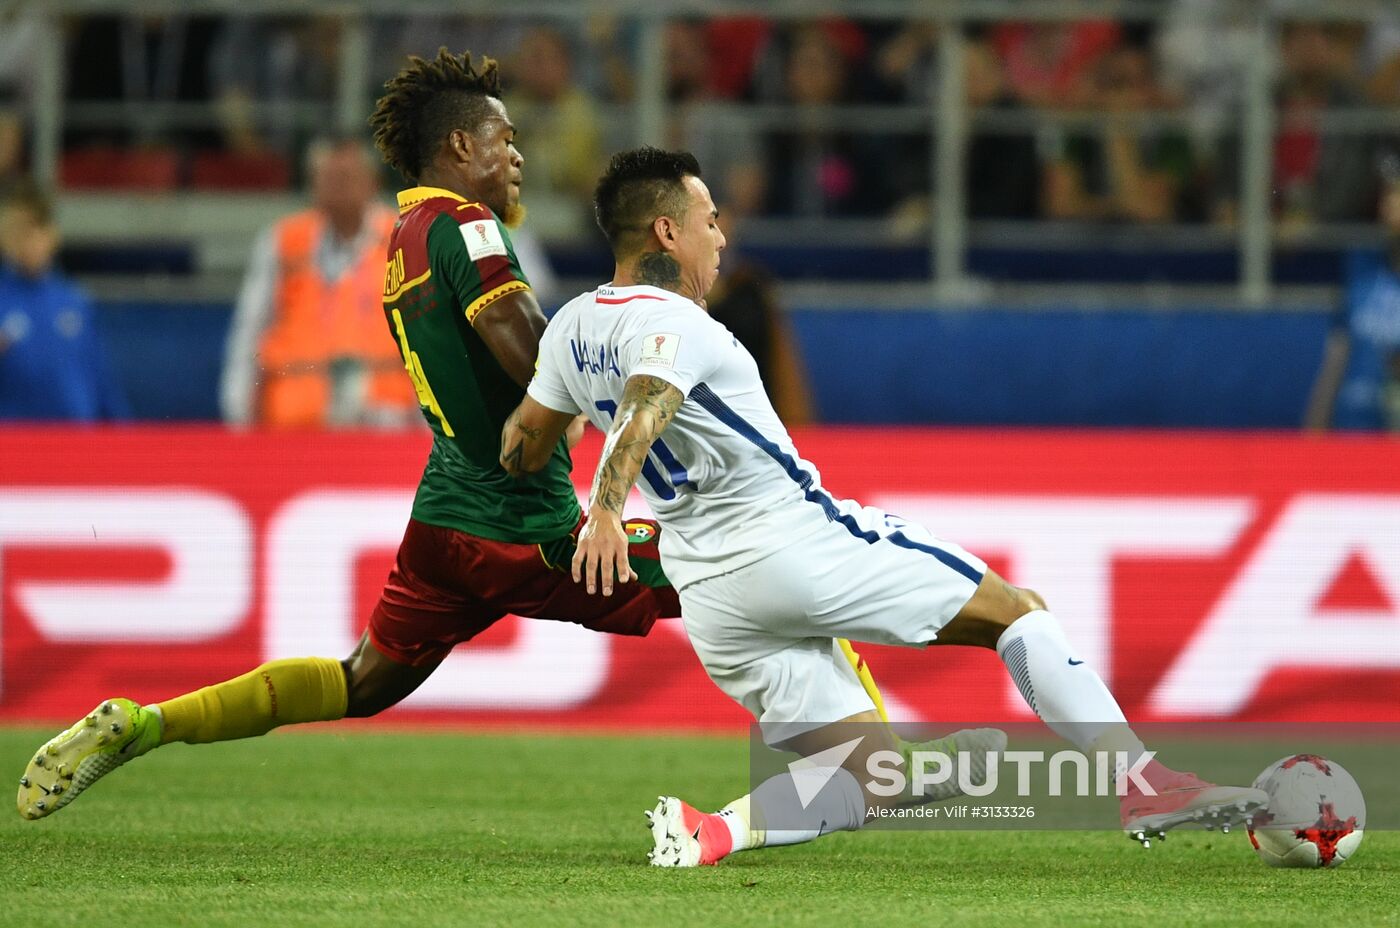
x,y
420,379
666,489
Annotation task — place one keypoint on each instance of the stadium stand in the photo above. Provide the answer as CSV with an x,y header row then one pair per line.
x,y
1117,171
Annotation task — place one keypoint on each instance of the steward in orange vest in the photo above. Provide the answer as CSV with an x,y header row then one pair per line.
x,y
326,357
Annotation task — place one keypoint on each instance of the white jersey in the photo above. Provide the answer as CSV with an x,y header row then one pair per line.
x,y
724,478
771,571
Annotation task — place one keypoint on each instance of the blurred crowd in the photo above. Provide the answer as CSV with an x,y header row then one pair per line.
x,y
1090,121
1158,140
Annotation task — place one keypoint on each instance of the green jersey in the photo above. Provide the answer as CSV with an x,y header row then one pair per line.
x,y
449,259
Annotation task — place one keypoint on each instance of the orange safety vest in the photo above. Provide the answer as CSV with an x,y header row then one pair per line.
x,y
315,321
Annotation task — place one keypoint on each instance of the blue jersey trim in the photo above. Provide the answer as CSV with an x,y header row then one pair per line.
x,y
711,403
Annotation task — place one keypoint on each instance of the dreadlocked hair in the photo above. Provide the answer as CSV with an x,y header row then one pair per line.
x,y
425,101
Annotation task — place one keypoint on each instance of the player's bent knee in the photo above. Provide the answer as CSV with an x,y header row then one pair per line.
x,y
1031,600
369,695
991,611
363,707
375,682
1014,602
360,701
1023,601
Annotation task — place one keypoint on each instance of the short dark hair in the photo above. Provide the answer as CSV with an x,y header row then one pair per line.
x,y
27,195
639,186
425,101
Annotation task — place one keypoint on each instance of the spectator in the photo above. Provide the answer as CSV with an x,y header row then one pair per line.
x,y
308,346
1381,59
1117,171
811,169
904,69
1002,165
1051,64
559,134
1327,178
689,78
734,45
52,363
1348,43
20,32
707,126
771,79
610,44
1003,169
1316,177
279,62
905,61
141,60
1203,48
1359,384
11,144
422,33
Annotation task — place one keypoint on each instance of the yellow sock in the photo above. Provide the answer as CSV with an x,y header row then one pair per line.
x,y
302,689
867,680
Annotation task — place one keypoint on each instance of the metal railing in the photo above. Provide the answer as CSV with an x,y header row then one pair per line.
x,y
948,124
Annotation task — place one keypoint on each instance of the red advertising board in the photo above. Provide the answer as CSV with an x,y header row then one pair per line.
x,y
1208,576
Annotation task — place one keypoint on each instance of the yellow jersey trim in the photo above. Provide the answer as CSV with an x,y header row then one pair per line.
x,y
406,286
413,196
485,300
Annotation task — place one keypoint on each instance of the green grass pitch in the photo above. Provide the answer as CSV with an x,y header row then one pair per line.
x,y
358,828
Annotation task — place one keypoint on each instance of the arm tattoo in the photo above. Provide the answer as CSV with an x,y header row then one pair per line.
x,y
511,460
658,269
648,406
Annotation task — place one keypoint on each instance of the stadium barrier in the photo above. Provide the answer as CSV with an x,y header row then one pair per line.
x,y
1244,577
1178,366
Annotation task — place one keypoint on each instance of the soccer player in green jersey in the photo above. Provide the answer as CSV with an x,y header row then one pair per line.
x,y
480,544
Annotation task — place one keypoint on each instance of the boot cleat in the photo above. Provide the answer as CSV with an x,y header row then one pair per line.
x,y
85,753
1184,798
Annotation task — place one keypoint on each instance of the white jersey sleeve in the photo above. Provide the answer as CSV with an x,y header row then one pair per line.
x,y
679,343
547,387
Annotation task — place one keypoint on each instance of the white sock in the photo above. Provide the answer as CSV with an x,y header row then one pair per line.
x,y
1066,693
839,806
736,817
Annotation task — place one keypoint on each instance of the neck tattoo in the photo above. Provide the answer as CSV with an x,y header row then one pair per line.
x,y
658,269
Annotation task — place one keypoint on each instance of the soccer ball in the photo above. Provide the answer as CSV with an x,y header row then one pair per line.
x,y
1315,814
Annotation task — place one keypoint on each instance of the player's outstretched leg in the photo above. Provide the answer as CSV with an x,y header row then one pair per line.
x,y
281,692
119,730
1071,698
683,836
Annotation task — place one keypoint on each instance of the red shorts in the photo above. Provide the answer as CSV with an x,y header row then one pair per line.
x,y
447,587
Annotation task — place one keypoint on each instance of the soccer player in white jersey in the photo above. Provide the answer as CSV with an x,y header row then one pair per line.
x,y
771,569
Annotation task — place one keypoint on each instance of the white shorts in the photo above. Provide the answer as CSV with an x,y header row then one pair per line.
x,y
766,632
